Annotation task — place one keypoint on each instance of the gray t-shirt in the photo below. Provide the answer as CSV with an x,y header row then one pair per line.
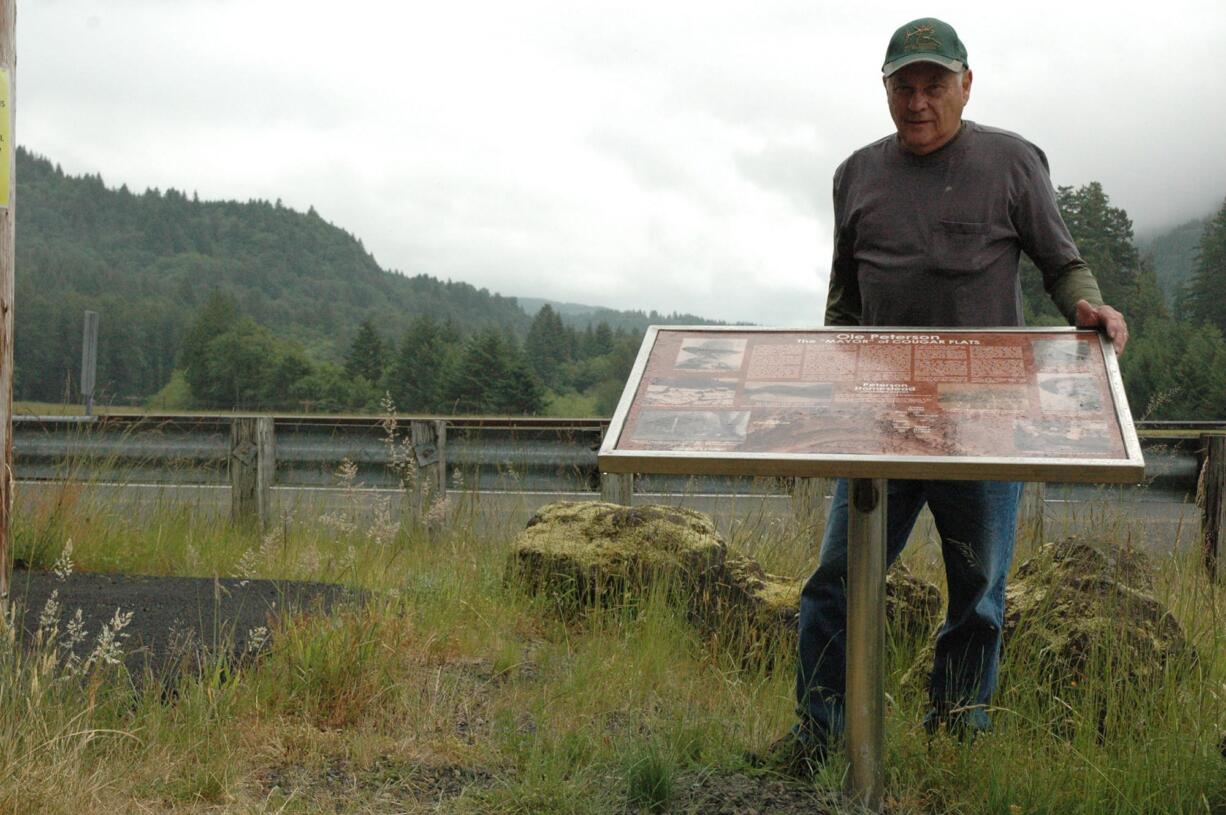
x,y
934,241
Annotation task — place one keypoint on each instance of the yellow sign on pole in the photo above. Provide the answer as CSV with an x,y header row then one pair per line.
x,y
6,137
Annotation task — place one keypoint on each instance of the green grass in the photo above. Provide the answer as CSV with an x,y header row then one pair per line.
x,y
452,691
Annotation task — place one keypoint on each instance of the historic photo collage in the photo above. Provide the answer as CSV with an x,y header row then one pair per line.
x,y
982,394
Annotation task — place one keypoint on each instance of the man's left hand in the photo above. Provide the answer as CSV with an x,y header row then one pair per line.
x,y
1105,319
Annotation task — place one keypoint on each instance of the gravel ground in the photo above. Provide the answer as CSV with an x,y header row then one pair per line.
x,y
175,619
741,794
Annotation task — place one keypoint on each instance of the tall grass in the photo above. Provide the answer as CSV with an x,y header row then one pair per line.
x,y
449,689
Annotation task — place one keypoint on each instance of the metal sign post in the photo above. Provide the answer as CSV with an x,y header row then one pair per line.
x,y
868,404
865,698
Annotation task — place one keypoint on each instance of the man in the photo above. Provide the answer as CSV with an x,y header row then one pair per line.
x,y
929,224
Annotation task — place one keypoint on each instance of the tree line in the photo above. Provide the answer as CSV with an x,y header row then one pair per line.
x,y
252,305
1175,363
149,262
229,361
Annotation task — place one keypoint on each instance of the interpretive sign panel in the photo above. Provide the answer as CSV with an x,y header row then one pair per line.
x,y
1021,404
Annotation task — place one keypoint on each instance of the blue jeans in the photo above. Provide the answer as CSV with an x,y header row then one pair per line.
x,y
977,521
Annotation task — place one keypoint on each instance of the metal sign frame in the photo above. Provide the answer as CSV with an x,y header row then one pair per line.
x,y
1129,469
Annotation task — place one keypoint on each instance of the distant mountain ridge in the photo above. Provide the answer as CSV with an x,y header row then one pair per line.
x,y
581,316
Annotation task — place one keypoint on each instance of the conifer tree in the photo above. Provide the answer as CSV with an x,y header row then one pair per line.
x,y
1146,304
547,346
415,376
1206,296
219,315
1103,235
366,354
491,376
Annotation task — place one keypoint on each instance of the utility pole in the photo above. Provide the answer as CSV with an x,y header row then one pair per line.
x,y
8,173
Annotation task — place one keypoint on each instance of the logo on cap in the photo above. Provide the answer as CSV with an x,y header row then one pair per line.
x,y
921,38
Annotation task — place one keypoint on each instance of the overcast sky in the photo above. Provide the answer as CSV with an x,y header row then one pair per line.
x,y
656,155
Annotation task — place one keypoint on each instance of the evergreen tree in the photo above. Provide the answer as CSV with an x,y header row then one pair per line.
x,y
1147,304
366,354
1206,296
1176,370
415,376
602,339
1103,235
219,315
237,368
481,362
518,391
547,346
490,375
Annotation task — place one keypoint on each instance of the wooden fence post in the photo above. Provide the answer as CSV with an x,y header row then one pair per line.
x,y
1211,496
617,488
8,183
429,440
253,461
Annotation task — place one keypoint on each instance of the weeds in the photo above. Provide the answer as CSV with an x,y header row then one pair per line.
x,y
450,690
650,780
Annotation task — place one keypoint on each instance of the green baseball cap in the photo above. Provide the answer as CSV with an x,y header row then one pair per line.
x,y
925,40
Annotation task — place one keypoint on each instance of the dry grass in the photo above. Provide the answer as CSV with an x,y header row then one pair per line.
x,y
452,691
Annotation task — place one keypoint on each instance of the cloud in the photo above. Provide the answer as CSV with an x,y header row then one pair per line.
x,y
651,165
794,171
634,154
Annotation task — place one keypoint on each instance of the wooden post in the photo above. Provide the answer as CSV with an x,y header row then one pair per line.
x,y
253,461
617,488
89,360
430,452
8,195
1211,496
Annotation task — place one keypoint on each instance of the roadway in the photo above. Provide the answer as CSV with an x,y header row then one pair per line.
x,y
1152,519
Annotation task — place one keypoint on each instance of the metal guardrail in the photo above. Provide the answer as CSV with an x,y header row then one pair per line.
x,y
522,453
486,452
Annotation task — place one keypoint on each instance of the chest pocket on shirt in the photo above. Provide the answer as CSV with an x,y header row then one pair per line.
x,y
960,247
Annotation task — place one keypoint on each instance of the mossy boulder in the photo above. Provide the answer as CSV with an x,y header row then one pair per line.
x,y
588,553
912,604
749,607
1085,605
1081,607
594,553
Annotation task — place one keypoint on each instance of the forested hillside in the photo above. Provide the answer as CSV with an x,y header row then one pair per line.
x,y
148,262
1175,364
221,304
1174,255
225,305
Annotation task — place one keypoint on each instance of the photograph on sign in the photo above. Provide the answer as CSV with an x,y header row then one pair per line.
x,y
1008,396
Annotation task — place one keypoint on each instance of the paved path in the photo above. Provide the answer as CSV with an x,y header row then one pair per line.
x,y
175,620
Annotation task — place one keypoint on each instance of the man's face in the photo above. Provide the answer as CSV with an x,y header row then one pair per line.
x,y
926,104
